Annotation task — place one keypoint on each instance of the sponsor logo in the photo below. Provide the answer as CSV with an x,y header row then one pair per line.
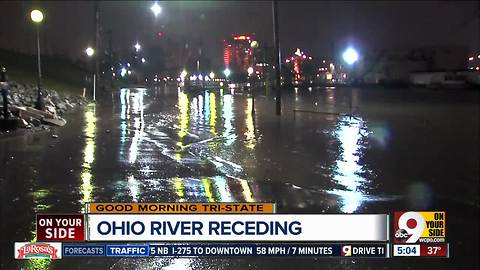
x,y
26,250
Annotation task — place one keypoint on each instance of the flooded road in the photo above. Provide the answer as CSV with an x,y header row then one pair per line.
x,y
400,149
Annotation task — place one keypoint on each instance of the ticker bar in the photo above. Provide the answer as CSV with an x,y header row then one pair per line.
x,y
355,250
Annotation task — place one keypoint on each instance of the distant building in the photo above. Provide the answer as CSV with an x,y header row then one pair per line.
x,y
474,62
238,54
396,66
441,58
301,66
330,71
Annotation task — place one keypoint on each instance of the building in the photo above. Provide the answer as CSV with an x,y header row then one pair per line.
x,y
474,62
238,53
331,71
301,66
397,66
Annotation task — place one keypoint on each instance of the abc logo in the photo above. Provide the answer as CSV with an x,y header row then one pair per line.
x,y
401,235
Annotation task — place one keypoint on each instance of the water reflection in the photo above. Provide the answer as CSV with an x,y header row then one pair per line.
x,y
213,113
223,189
197,113
184,120
207,188
227,113
124,103
88,154
205,133
138,124
347,168
39,198
217,188
246,191
179,188
250,139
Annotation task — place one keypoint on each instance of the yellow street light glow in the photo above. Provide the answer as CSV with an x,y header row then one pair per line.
x,y
183,74
36,15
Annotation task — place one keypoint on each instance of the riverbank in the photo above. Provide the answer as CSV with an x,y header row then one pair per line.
x,y
24,95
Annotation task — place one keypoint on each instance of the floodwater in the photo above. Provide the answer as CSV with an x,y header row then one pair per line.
x,y
363,150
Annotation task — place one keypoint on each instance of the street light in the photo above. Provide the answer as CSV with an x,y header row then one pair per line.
x,y
123,72
211,75
156,9
137,46
250,71
90,52
227,72
37,17
183,74
350,56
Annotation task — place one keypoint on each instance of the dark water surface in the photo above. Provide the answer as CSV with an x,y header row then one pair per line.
x,y
402,149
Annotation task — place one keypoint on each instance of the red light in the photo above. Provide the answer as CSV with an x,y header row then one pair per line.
x,y
241,38
160,34
226,56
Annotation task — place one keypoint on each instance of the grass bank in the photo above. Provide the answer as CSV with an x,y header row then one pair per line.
x,y
59,74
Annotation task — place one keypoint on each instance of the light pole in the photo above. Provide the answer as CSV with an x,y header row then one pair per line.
x,y
37,17
90,52
250,72
278,59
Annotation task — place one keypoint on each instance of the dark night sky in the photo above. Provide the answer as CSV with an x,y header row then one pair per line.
x,y
316,27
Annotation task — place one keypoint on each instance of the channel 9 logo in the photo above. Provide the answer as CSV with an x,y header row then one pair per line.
x,y
347,251
424,227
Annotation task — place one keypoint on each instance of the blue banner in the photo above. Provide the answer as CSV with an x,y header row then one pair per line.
x,y
128,250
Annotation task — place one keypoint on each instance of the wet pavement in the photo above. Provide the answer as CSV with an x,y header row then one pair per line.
x,y
400,149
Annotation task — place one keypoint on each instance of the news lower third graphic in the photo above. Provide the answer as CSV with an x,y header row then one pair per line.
x,y
420,234
231,230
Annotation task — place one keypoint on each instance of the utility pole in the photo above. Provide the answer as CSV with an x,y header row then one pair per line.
x,y
96,25
110,54
278,59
